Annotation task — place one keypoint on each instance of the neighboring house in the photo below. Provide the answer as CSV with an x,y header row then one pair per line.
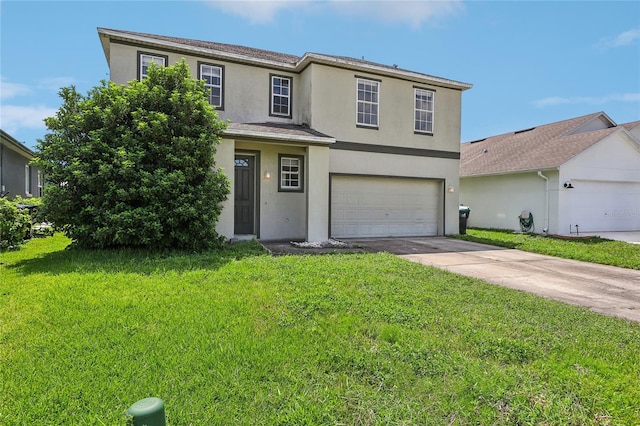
x,y
320,146
577,175
17,176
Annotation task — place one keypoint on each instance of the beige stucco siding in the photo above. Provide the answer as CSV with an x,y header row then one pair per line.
x,y
281,214
243,102
225,160
334,111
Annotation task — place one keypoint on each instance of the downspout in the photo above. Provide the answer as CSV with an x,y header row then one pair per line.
x,y
546,190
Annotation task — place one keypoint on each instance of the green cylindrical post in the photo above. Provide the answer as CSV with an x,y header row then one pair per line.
x,y
147,412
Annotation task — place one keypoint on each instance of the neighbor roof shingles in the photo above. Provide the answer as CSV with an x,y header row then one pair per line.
x,y
543,147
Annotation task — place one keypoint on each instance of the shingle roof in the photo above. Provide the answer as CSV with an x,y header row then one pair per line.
x,y
278,128
229,48
281,131
539,148
631,125
285,60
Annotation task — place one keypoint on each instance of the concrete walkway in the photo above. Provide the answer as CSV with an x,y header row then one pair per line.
x,y
604,289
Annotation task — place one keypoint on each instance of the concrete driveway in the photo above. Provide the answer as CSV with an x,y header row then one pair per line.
x,y
605,289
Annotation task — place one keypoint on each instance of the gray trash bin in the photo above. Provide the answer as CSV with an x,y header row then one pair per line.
x,y
464,215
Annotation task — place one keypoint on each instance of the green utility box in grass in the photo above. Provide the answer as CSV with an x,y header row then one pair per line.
x,y
147,412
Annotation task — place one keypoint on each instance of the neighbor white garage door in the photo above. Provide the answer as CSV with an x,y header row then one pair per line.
x,y
363,206
604,206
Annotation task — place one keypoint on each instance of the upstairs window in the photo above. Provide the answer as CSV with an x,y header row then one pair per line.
x,y
367,105
290,173
146,59
280,96
423,115
212,77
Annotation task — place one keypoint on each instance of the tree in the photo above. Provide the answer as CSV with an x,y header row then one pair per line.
x,y
133,165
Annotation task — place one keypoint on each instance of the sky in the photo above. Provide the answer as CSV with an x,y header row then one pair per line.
x,y
530,62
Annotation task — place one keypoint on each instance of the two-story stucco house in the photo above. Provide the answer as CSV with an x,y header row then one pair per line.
x,y
320,146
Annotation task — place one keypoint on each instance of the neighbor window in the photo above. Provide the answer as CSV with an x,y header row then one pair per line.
x,y
146,59
423,110
367,106
290,174
40,183
281,95
212,77
27,179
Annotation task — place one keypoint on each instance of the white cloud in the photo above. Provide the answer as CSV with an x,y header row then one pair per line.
x,y
14,117
55,83
589,100
10,90
412,12
623,39
257,11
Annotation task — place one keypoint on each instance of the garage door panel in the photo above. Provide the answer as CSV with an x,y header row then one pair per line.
x,y
604,206
373,206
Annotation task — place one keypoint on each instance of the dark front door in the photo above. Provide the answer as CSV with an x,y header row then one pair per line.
x,y
244,205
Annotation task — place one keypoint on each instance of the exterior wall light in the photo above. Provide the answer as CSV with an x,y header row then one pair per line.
x,y
568,185
451,189
267,175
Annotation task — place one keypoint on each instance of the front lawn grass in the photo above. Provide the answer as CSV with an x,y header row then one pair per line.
x,y
588,249
239,337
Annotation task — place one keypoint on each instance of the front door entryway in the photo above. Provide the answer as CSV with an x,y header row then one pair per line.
x,y
244,199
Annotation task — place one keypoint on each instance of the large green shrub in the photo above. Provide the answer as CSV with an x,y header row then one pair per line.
x,y
14,224
133,165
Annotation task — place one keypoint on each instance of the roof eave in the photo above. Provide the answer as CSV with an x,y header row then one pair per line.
x,y
233,57
16,145
279,137
344,62
512,172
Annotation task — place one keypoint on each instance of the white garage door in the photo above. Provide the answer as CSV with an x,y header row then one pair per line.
x,y
363,206
604,206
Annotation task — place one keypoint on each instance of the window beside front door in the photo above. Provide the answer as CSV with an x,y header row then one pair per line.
x,y
146,59
212,75
423,110
367,103
280,96
290,175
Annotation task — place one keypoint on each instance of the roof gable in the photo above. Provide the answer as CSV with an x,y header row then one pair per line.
x,y
599,122
537,148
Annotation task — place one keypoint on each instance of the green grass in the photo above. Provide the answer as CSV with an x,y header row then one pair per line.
x,y
590,249
238,337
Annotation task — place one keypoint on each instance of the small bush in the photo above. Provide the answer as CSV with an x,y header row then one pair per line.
x,y
15,224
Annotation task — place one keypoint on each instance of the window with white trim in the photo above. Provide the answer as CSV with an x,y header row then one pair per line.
x,y
40,183
280,95
146,59
367,104
423,116
290,173
27,179
212,76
